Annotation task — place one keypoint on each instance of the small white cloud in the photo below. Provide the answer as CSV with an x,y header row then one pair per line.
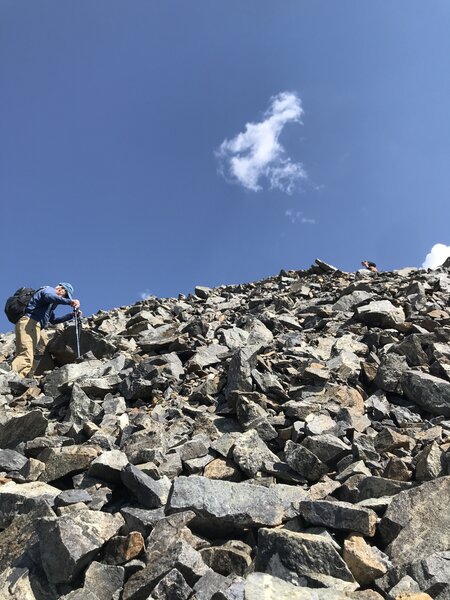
x,y
257,154
296,216
145,295
437,255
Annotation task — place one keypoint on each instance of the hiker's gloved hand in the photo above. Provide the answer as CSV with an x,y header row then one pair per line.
x,y
75,304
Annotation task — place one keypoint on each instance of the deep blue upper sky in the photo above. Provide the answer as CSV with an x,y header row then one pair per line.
x,y
112,114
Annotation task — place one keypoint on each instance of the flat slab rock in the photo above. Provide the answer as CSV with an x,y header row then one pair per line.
x,y
339,515
234,505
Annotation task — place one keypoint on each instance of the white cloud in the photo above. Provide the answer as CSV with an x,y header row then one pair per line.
x,y
145,295
296,216
437,255
257,154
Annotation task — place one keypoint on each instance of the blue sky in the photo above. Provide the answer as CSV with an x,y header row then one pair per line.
x,y
143,148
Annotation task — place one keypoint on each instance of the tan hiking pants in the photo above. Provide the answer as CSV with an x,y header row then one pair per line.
x,y
28,333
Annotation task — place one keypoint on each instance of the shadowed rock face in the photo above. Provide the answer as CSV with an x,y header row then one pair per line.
x,y
289,436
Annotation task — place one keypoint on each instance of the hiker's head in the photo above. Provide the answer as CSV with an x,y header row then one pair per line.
x,y
65,290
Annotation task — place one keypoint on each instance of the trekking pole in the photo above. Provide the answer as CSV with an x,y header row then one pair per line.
x,y
77,318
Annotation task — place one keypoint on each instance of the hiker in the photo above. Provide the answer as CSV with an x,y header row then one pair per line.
x,y
370,265
39,313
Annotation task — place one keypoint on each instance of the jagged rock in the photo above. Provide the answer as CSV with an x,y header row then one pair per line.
x,y
21,427
339,515
316,379
240,369
327,447
409,536
151,493
298,557
251,415
104,581
207,355
16,499
18,539
66,460
429,392
250,453
165,553
304,462
69,497
10,460
172,586
390,372
223,504
68,543
63,345
141,520
160,337
365,562
209,584
62,379
108,466
380,313
429,464
232,558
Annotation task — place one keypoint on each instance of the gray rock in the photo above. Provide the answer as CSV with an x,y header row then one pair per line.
x,y
108,466
350,301
262,586
209,584
304,462
16,499
207,355
224,505
409,536
104,581
141,520
429,392
158,338
240,369
172,586
232,558
327,447
72,497
298,557
339,515
68,543
390,371
251,415
16,427
10,460
150,493
66,460
380,313
250,453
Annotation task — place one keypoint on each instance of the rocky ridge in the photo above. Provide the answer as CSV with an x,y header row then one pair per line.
x,y
286,438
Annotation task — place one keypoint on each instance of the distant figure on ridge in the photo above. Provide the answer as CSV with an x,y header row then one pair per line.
x,y
39,313
370,265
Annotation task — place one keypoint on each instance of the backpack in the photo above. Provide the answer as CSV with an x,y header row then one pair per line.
x,y
16,304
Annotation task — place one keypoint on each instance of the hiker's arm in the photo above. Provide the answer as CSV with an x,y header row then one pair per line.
x,y
56,320
53,298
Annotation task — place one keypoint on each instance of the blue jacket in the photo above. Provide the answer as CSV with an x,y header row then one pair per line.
x,y
42,304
